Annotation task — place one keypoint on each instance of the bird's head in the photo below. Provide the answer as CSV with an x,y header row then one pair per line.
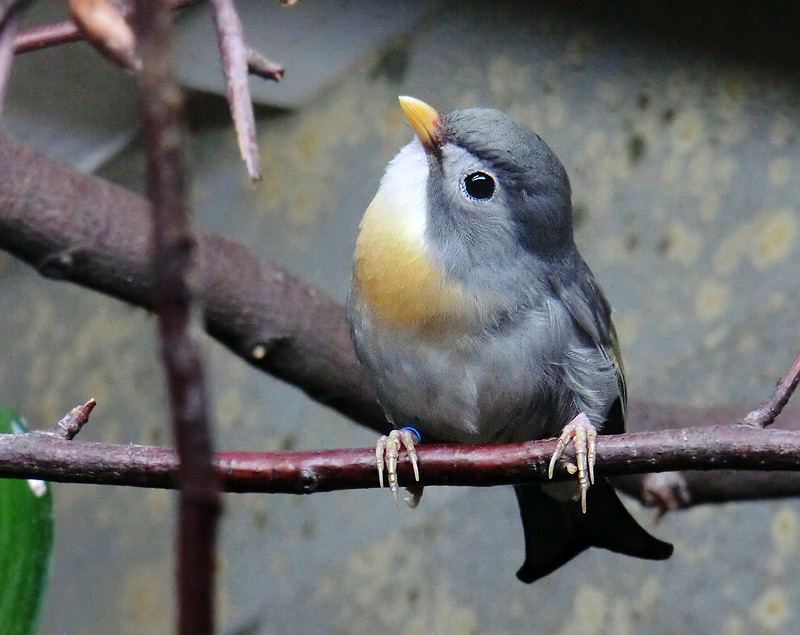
x,y
474,204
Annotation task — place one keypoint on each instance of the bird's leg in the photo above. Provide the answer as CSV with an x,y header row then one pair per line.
x,y
583,436
387,451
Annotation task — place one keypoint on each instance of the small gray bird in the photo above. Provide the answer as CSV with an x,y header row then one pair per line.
x,y
478,321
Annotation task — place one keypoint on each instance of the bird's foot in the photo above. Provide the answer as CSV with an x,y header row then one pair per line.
x,y
583,436
387,451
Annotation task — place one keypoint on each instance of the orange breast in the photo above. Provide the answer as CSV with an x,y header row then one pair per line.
x,y
394,272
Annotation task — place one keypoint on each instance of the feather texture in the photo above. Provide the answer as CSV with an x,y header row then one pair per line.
x,y
479,322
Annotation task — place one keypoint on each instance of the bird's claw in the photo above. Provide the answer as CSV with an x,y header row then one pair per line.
x,y
584,438
387,451
414,495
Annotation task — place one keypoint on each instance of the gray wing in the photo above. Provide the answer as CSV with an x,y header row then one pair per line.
x,y
588,307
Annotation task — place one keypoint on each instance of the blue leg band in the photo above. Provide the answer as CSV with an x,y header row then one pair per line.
x,y
416,433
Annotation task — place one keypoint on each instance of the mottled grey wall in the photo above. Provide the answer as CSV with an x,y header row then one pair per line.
x,y
683,155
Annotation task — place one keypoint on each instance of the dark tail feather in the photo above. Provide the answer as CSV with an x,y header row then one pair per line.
x,y
556,531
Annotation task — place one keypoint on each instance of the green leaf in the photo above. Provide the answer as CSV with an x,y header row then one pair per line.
x,y
26,542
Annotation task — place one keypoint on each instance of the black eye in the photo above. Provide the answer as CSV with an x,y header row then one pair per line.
x,y
479,185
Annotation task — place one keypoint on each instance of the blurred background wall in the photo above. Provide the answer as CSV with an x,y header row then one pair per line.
x,y
678,124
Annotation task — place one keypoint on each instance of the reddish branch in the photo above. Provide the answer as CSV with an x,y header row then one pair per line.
x,y
172,263
51,456
37,455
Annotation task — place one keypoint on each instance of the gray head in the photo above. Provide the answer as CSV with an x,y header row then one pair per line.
x,y
498,198
524,180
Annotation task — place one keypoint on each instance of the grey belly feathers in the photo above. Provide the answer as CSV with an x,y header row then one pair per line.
x,y
492,385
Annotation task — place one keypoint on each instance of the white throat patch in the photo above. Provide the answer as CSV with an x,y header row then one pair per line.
x,y
403,192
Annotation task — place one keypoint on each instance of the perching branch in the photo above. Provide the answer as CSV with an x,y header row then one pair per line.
x,y
723,447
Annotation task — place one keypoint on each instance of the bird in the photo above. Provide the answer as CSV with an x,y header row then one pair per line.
x,y
478,321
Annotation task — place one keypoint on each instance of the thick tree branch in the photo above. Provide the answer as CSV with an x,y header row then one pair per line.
x,y
83,229
80,228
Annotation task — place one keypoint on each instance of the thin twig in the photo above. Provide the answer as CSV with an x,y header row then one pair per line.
x,y
235,56
7,34
73,421
50,35
11,11
238,59
768,411
173,250
104,27
259,65
9,21
45,36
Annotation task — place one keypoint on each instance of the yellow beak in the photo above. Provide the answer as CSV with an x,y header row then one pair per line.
x,y
425,121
